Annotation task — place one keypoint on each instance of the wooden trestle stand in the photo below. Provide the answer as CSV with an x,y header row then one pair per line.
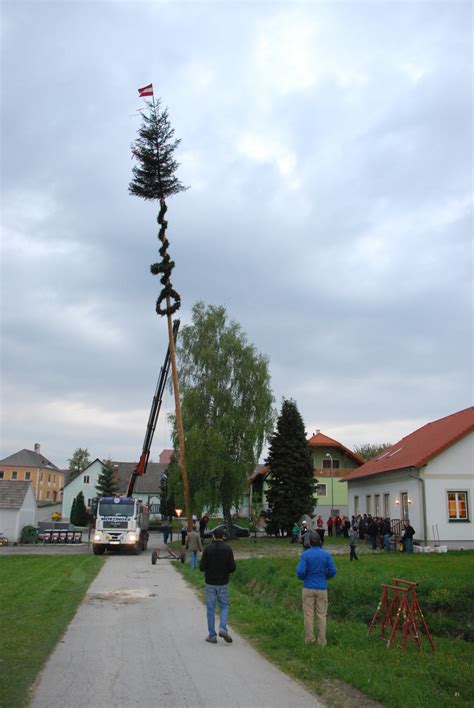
x,y
400,615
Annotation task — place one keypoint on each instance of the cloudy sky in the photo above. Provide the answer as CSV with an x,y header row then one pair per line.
x,y
328,150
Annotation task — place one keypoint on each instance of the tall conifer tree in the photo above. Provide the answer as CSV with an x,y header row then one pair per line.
x,y
107,484
81,517
291,479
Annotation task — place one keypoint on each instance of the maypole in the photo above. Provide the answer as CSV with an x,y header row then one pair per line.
x,y
154,179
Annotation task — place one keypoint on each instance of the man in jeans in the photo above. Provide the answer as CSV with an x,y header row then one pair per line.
x,y
314,568
217,562
193,545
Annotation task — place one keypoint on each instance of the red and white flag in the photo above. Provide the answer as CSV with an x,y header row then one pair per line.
x,y
146,91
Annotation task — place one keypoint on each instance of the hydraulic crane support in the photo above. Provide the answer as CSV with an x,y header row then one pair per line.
x,y
152,420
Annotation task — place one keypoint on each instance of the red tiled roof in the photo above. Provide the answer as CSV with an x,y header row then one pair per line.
x,y
320,440
259,471
416,449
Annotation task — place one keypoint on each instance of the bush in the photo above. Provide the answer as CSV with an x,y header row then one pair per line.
x,y
29,534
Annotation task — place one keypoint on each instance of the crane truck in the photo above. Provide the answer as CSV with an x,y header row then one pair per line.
x,y
122,521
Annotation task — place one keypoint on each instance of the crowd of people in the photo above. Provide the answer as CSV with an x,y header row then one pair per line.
x,y
373,530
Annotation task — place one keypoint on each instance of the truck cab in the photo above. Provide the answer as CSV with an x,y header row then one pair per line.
x,y
121,523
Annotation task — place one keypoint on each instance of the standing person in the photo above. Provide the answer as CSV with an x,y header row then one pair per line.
x,y
361,527
353,536
407,537
386,534
294,532
184,533
304,535
372,533
314,568
193,545
346,525
330,525
166,532
204,520
217,562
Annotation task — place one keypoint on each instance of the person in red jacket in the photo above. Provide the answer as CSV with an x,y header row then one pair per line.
x,y
330,525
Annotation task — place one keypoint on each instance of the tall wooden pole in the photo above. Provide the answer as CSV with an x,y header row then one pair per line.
x,y
179,422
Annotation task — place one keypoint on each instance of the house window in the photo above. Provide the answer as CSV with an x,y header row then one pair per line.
x,y
356,506
49,478
14,474
2,474
404,506
377,504
86,479
327,464
321,489
89,501
41,476
367,504
457,506
386,505
47,495
27,476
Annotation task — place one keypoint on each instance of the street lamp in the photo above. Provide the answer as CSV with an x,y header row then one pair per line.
x,y
332,483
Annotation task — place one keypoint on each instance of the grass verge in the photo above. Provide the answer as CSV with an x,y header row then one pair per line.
x,y
39,596
266,608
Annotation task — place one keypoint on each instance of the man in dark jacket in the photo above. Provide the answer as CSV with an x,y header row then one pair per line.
x,y
386,534
217,562
407,537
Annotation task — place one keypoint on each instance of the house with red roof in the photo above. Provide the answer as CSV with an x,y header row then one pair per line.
x,y
426,477
332,461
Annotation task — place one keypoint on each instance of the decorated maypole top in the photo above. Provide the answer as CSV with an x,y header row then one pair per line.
x,y
154,179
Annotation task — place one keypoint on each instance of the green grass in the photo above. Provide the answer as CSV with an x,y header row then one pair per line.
x,y
39,596
266,608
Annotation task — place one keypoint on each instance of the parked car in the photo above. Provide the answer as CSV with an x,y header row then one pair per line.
x,y
239,531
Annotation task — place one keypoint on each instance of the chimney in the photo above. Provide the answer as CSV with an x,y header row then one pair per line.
x,y
317,431
37,448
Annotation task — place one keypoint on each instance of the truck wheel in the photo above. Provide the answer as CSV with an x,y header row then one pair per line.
x,y
154,557
98,550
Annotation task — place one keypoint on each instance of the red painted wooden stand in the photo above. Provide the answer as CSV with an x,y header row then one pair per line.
x,y
400,614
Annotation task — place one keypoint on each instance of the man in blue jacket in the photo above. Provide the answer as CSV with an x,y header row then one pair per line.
x,y
314,568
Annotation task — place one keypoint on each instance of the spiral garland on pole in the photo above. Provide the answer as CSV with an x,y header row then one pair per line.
x,y
165,268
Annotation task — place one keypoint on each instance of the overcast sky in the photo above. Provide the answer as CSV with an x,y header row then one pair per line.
x,y
328,150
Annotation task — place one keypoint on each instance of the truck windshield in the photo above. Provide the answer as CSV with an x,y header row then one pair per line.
x,y
115,511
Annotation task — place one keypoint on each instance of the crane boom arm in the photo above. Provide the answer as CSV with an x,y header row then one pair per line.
x,y
142,464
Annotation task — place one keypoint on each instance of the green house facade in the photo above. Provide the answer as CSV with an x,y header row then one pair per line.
x,y
332,461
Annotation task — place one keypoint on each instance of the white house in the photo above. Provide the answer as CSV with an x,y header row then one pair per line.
x,y
85,482
147,487
17,508
426,477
